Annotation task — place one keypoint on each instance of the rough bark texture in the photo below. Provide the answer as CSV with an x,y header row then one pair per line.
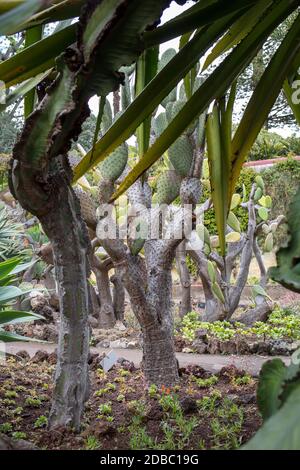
x,y
67,232
185,305
118,297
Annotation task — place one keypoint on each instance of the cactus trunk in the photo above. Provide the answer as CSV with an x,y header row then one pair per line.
x,y
68,236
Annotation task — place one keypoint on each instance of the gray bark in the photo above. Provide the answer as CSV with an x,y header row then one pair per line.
x,y
118,297
67,233
185,305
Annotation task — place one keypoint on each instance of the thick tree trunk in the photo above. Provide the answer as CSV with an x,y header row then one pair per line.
x,y
159,361
68,235
185,305
118,297
107,317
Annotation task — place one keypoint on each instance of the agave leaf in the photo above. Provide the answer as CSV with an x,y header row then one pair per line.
x,y
238,31
203,13
23,89
37,58
263,99
15,316
32,36
12,19
8,337
216,85
146,69
147,101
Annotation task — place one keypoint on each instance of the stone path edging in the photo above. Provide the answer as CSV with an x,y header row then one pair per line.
x,y
211,363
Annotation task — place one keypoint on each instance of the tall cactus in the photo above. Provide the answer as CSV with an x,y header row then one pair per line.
x,y
41,177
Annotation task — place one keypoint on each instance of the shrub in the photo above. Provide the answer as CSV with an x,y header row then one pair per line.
x,y
282,182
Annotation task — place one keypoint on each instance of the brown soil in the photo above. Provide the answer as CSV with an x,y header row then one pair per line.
x,y
25,395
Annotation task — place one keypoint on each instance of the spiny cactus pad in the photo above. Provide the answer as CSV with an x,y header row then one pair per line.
x,y
113,166
168,187
190,191
181,155
87,206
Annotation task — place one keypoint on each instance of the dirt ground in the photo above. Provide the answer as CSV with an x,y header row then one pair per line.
x,y
203,412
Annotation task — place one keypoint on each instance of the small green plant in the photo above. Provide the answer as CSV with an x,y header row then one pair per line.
x,y
41,422
240,381
121,398
19,435
6,428
11,394
92,443
152,391
105,408
206,383
33,402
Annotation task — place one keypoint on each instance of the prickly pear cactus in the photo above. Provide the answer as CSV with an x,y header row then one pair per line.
x,y
113,166
159,124
168,187
181,155
87,206
190,191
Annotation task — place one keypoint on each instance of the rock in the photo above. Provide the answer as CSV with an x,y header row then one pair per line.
x,y
197,371
6,443
118,344
187,351
244,399
40,356
24,355
133,345
228,347
201,335
242,346
282,348
25,305
93,322
125,364
200,346
253,347
52,358
188,405
103,344
179,343
264,348
50,333
120,326
230,372
214,346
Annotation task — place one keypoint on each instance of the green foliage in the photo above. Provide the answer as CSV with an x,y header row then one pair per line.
x,y
177,429
10,237
282,182
282,323
8,293
41,422
287,271
268,145
278,400
92,443
246,178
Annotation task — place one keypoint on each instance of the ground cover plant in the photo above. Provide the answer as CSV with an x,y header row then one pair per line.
x,y
203,411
